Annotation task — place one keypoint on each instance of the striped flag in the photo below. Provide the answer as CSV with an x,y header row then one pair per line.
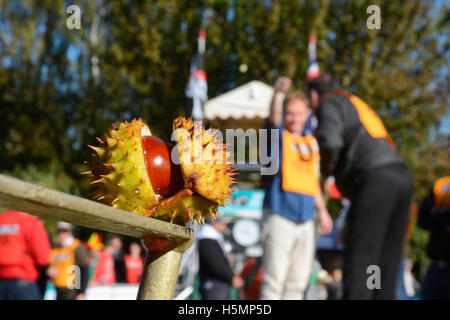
x,y
313,67
311,73
197,87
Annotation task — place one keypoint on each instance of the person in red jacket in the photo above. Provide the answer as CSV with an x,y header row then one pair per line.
x,y
134,263
24,248
104,273
252,275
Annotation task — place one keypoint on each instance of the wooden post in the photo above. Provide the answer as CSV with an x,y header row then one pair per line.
x,y
166,241
163,259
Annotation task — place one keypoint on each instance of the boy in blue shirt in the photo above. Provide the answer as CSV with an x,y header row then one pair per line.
x,y
291,197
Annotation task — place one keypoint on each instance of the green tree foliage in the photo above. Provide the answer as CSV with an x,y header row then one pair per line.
x,y
61,88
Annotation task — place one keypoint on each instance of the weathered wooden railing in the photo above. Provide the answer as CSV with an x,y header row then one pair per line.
x,y
166,242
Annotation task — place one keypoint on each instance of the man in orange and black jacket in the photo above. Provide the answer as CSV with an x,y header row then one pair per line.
x,y
356,149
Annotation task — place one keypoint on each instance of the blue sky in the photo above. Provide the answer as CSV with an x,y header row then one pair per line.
x,y
445,125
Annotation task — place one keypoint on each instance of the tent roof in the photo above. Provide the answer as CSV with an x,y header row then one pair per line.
x,y
251,100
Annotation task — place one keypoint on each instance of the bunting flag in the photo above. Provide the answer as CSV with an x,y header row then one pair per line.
x,y
197,87
313,67
95,241
311,73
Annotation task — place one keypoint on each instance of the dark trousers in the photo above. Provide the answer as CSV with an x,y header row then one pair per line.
x,y
66,294
436,285
375,235
18,289
214,290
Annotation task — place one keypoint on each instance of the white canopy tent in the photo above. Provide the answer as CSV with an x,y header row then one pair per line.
x,y
244,107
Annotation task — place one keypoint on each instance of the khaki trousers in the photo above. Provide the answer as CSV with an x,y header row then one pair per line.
x,y
287,259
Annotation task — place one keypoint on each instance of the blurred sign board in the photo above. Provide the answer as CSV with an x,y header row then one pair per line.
x,y
245,204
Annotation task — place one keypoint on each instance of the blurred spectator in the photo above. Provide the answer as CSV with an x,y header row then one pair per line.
x,y
434,215
216,274
334,288
318,282
119,262
330,251
252,275
94,245
357,150
291,197
406,284
134,263
70,282
104,273
24,254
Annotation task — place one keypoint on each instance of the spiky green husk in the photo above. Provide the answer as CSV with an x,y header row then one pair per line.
x,y
120,170
203,161
183,207
121,173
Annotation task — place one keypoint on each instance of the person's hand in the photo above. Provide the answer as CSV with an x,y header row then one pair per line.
x,y
283,84
52,272
238,282
326,223
80,296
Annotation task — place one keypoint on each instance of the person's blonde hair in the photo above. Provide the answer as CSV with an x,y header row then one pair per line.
x,y
294,95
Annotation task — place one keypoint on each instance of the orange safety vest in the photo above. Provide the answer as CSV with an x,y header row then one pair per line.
x,y
63,259
300,164
369,119
441,192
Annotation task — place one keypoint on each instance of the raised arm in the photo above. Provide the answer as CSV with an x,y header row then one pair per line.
x,y
276,106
